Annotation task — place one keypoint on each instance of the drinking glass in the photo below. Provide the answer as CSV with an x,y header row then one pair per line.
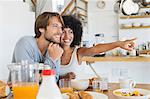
x,y
96,86
127,83
24,79
65,86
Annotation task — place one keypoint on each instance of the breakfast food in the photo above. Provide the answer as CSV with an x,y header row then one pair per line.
x,y
92,79
73,95
4,89
134,93
80,95
85,95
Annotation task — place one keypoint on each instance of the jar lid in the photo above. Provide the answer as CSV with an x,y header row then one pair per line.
x,y
100,35
48,72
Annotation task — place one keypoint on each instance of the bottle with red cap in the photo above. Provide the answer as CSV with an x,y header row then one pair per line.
x,y
49,88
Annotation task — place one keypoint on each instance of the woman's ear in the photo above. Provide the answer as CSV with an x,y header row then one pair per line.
x,y
42,30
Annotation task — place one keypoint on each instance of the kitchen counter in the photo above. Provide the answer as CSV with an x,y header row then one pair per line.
x,y
116,59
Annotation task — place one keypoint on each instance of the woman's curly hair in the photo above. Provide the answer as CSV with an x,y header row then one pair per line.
x,y
76,26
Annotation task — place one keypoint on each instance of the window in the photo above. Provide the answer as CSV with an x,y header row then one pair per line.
x,y
57,5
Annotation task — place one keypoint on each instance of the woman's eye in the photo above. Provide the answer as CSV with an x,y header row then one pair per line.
x,y
71,31
64,32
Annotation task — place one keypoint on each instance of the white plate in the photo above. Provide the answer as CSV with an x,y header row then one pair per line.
x,y
95,95
145,92
144,55
65,96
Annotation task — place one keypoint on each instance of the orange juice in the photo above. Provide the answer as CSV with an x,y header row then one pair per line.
x,y
66,90
25,90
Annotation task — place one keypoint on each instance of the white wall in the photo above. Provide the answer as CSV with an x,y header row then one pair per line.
x,y
106,21
142,35
48,5
102,20
139,71
15,21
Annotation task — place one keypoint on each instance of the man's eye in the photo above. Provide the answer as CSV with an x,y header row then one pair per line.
x,y
55,26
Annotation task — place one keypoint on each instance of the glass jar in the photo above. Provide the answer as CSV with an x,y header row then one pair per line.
x,y
25,79
99,39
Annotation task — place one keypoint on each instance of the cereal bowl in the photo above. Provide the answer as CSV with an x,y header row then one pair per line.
x,y
80,84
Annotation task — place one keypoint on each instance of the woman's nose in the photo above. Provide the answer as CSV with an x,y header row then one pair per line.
x,y
66,34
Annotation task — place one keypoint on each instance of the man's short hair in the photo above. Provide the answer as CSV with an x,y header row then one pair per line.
x,y
42,21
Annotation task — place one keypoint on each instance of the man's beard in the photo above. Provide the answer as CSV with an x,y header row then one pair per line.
x,y
51,40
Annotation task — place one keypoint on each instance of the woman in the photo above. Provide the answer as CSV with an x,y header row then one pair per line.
x,y
73,54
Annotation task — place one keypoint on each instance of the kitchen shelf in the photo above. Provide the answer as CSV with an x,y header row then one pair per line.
x,y
82,15
85,1
134,27
134,16
145,52
116,59
145,7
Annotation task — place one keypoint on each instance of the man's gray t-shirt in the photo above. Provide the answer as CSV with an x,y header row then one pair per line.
x,y
26,49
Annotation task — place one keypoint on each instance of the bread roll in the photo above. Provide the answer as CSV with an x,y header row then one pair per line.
x,y
85,95
4,89
73,95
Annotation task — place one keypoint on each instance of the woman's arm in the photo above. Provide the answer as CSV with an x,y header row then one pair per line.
x,y
99,48
68,76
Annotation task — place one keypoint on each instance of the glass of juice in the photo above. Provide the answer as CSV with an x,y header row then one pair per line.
x,y
25,80
65,86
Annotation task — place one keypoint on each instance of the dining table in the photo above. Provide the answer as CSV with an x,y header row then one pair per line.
x,y
111,88
114,86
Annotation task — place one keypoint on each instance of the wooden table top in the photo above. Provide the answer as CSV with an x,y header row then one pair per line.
x,y
116,59
113,86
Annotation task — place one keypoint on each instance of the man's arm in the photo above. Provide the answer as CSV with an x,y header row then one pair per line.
x,y
23,51
53,57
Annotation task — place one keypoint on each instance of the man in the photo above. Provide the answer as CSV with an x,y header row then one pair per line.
x,y
44,47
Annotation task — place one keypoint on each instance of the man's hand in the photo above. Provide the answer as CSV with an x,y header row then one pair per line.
x,y
127,44
55,51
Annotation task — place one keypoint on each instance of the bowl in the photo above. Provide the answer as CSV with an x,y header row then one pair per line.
x,y
136,92
80,84
127,25
137,24
145,24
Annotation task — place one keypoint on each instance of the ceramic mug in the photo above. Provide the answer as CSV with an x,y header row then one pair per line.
x,y
127,83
